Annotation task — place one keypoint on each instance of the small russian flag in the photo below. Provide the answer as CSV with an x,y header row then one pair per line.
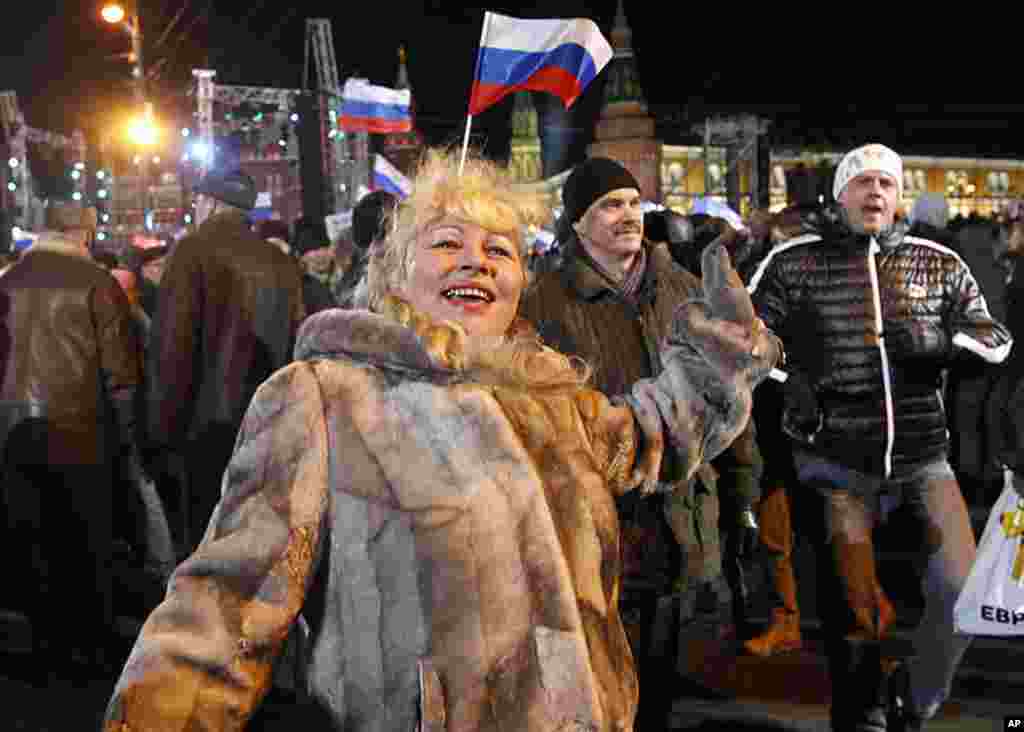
x,y
559,56
376,109
388,178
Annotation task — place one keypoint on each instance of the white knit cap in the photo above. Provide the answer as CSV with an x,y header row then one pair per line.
x,y
869,157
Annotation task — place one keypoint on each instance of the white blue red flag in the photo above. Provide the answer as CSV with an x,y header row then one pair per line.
x,y
387,177
557,56
366,107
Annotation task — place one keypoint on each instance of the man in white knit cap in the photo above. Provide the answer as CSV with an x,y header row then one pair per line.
x,y
870,317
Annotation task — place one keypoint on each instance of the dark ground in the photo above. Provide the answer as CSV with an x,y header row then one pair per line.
x,y
787,692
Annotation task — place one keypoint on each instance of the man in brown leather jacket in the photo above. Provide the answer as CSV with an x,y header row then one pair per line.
x,y
70,363
228,309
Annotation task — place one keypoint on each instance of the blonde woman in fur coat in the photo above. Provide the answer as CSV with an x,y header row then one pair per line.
x,y
432,490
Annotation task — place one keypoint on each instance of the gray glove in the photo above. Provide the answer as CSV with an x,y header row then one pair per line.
x,y
717,353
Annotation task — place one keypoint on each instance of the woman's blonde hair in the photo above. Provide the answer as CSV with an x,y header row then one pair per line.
x,y
482,193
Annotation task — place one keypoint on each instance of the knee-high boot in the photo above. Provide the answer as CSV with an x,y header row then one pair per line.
x,y
783,631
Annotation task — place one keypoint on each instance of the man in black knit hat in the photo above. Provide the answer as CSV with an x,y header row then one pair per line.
x,y
611,303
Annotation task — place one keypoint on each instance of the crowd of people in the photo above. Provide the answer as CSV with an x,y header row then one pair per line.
x,y
466,486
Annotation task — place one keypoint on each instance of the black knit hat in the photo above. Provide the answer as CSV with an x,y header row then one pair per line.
x,y
369,216
590,180
234,188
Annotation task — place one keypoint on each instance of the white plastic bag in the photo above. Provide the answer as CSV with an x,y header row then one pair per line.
x,y
992,601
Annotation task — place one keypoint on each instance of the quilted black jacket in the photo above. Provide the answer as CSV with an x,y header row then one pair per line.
x,y
828,294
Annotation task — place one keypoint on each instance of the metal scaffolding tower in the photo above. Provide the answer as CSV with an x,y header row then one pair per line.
x,y
346,156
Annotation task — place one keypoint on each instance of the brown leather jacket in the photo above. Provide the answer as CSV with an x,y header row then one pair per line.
x,y
69,353
227,312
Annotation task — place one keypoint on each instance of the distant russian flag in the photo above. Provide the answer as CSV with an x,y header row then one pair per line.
x,y
558,56
377,109
388,178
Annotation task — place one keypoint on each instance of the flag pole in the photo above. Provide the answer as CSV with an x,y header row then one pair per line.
x,y
465,142
476,76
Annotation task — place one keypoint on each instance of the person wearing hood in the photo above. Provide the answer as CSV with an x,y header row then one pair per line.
x,y
433,490
870,317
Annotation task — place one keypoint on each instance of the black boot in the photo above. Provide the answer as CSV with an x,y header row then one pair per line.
x,y
901,716
859,689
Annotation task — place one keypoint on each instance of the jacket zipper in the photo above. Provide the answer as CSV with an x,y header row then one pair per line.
x,y
890,419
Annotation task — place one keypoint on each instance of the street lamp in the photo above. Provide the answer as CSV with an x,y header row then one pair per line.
x,y
142,131
115,14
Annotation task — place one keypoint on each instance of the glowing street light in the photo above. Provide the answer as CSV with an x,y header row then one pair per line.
x,y
143,131
112,13
202,152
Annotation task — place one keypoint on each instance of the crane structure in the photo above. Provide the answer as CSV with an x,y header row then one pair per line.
x,y
346,156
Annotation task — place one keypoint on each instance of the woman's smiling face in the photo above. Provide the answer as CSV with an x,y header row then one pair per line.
x,y
467,274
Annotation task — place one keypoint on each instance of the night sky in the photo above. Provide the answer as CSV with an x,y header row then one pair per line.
x,y
59,59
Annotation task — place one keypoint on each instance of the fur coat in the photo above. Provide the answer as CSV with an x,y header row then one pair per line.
x,y
441,512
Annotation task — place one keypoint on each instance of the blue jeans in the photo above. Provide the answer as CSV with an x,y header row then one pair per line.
x,y
854,503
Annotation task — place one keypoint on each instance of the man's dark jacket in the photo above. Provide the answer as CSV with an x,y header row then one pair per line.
x,y
819,291
229,307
